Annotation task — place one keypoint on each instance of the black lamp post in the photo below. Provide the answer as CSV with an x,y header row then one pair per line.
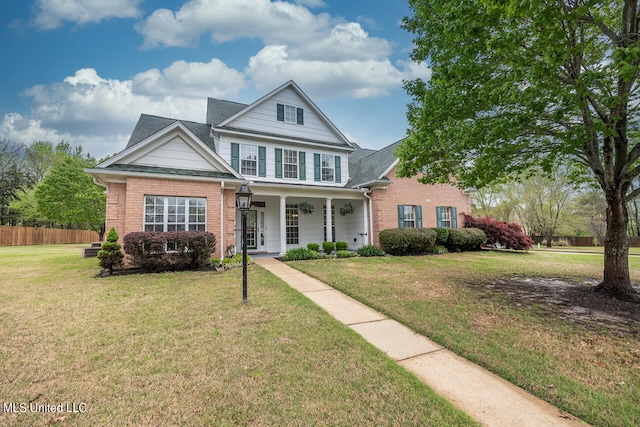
x,y
243,202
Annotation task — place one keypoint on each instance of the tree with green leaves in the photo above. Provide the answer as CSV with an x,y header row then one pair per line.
x,y
521,85
68,195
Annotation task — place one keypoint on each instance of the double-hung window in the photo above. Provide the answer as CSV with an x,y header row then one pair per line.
x,y
446,217
328,168
290,163
248,159
167,213
409,216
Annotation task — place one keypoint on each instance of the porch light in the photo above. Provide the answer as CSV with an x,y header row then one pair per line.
x,y
243,202
243,198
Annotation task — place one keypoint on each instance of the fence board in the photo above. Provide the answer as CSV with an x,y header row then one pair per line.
x,y
27,236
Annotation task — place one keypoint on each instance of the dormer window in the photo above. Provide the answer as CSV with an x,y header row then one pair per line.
x,y
290,114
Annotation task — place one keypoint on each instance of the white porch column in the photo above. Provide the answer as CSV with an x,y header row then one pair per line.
x,y
283,225
365,224
329,223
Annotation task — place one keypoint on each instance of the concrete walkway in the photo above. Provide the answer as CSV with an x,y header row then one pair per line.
x,y
486,397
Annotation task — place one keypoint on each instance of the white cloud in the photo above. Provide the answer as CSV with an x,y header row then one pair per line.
x,y
370,78
226,20
190,79
100,113
50,14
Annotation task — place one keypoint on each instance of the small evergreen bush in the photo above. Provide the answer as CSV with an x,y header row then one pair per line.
x,y
328,247
110,255
370,250
345,254
342,246
407,241
299,254
313,247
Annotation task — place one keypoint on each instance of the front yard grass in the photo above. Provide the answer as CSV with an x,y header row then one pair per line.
x,y
589,370
182,349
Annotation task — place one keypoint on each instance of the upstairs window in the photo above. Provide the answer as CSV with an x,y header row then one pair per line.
x,y
290,163
290,114
248,159
328,168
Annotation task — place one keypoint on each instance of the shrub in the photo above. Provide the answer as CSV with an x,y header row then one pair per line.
x,y
370,250
442,235
313,247
440,249
328,247
345,254
175,250
407,241
110,255
230,262
506,234
465,239
299,254
342,246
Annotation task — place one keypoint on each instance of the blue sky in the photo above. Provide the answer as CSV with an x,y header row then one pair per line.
x,y
84,70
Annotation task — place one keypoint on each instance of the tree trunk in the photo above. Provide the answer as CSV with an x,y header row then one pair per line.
x,y
616,280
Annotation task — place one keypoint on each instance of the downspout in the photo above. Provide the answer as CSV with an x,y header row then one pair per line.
x,y
370,231
222,220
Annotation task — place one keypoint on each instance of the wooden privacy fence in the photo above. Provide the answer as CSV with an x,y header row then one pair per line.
x,y
634,241
26,236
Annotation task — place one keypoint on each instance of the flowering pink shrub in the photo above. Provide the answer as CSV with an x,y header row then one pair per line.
x,y
506,234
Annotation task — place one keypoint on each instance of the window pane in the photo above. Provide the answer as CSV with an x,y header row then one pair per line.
x,y
291,216
327,167
289,114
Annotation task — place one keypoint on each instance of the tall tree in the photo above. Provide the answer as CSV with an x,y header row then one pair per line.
x,y
518,85
12,178
68,195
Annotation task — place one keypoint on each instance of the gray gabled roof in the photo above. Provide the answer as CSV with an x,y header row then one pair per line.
x,y
366,166
148,125
218,110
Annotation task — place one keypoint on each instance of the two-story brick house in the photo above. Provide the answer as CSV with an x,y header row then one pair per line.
x,y
180,175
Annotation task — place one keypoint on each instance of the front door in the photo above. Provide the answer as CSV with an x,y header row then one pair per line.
x,y
255,230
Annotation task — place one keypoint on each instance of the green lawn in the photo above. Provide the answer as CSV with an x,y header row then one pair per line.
x,y
589,370
181,349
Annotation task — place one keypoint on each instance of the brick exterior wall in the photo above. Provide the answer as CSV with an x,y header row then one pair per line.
x,y
407,191
125,205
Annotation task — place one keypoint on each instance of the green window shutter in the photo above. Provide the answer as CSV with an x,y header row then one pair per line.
x,y
262,161
278,162
280,112
302,166
338,171
300,116
235,156
316,167
454,217
400,216
439,216
419,216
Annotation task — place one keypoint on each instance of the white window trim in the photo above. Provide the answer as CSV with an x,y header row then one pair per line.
x,y
245,155
290,114
165,215
285,163
332,167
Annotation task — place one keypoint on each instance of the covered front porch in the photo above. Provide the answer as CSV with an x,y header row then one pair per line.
x,y
281,219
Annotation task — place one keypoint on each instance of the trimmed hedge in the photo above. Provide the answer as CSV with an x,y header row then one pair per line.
x,y
465,239
342,246
299,254
328,247
172,250
313,247
407,241
442,235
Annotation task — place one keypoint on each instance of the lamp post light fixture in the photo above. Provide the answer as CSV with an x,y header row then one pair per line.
x,y
243,202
